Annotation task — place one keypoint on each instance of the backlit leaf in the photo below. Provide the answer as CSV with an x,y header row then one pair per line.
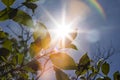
x,y
63,61
74,34
23,18
60,75
72,46
105,68
42,39
40,30
68,41
41,35
35,65
8,2
34,49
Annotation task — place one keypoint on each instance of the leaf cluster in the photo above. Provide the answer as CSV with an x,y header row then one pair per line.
x,y
16,14
12,58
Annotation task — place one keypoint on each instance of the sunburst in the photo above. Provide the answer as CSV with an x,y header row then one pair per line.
x,y
63,29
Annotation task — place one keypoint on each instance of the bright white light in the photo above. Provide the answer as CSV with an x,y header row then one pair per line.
x,y
62,28
62,31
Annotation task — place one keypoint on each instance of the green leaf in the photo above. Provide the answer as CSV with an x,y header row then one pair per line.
x,y
116,75
63,61
83,65
4,52
93,69
105,68
107,78
23,76
30,5
7,44
99,79
28,69
72,46
77,73
8,2
81,71
3,35
60,75
84,61
104,78
23,18
82,78
14,60
20,58
32,0
3,58
4,15
3,78
99,63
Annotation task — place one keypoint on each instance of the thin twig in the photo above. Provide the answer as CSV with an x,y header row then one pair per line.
x,y
43,70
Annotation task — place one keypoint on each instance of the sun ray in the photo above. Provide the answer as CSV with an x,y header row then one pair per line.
x,y
63,14
50,16
62,29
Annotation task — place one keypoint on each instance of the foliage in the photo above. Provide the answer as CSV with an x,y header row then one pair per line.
x,y
16,14
20,59
63,61
12,57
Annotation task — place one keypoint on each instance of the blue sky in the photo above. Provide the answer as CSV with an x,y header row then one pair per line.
x,y
100,31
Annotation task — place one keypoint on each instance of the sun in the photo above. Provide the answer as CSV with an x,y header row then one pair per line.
x,y
63,31
63,28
